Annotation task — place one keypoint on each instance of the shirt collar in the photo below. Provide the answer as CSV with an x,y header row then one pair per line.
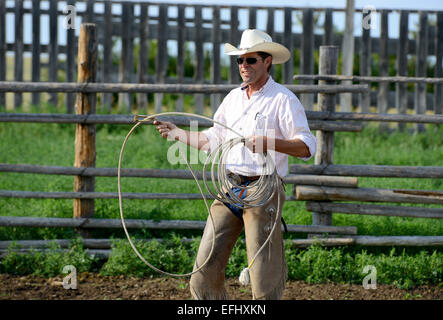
x,y
267,85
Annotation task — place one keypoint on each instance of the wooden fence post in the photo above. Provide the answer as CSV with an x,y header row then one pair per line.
x,y
365,60
401,93
2,52
85,133
18,50
348,46
36,49
307,55
438,89
420,67
383,92
325,139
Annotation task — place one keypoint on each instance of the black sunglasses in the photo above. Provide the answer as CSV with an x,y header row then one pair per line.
x,y
248,60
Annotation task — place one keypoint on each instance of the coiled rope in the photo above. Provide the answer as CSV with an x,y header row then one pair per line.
x,y
266,188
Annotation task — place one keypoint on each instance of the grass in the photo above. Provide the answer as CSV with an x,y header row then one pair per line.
x,y
53,145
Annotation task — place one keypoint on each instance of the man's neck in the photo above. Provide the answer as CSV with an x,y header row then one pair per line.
x,y
254,87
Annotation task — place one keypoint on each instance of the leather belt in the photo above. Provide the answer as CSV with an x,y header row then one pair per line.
x,y
240,179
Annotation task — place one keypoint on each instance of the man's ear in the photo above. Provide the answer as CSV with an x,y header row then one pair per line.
x,y
268,62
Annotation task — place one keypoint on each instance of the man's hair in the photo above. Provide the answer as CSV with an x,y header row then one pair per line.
x,y
264,55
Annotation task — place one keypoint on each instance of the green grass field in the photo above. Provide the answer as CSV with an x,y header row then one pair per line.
x,y
53,145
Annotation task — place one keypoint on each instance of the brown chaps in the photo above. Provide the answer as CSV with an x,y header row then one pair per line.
x,y
268,274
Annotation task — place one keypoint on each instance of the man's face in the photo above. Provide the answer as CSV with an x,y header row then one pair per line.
x,y
252,73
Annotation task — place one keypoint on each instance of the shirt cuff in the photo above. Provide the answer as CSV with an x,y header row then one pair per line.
x,y
311,143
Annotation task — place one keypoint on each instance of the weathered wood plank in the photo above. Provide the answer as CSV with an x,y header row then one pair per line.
x,y
180,54
398,240
288,69
401,98
183,121
326,242
18,52
438,95
70,64
53,48
13,86
124,99
420,67
347,50
35,49
382,99
369,170
89,244
328,29
234,40
368,194
270,29
398,79
376,210
162,53
142,69
216,61
2,51
107,54
252,21
199,73
85,152
350,182
307,55
325,139
365,58
147,224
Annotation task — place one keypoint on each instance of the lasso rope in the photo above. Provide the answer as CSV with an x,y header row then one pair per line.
x,y
266,188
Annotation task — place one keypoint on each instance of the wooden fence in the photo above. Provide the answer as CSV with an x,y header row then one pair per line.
x,y
319,184
199,30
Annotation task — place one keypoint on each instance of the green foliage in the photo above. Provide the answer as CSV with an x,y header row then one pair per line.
x,y
53,144
47,263
315,264
171,256
345,265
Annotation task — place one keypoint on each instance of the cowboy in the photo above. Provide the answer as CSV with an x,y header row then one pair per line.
x,y
274,122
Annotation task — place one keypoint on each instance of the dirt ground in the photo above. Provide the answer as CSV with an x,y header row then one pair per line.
x,y
91,286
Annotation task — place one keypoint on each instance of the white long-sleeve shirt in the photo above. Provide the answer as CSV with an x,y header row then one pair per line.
x,y
273,111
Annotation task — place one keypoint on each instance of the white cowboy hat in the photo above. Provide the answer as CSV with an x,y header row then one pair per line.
x,y
253,40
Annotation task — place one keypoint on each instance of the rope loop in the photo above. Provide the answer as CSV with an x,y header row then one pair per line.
x,y
266,185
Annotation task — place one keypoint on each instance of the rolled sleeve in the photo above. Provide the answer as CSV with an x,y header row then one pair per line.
x,y
217,133
294,125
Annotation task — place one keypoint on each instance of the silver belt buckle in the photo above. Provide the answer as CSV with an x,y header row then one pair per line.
x,y
234,178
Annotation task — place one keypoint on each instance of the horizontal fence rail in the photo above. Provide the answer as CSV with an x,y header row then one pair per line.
x,y
398,79
376,210
368,170
147,224
350,182
368,194
74,87
129,119
377,117
101,248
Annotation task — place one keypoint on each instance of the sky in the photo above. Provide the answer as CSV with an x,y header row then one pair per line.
x,y
338,17
391,4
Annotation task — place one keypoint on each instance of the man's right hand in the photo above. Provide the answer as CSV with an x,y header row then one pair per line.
x,y
167,129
